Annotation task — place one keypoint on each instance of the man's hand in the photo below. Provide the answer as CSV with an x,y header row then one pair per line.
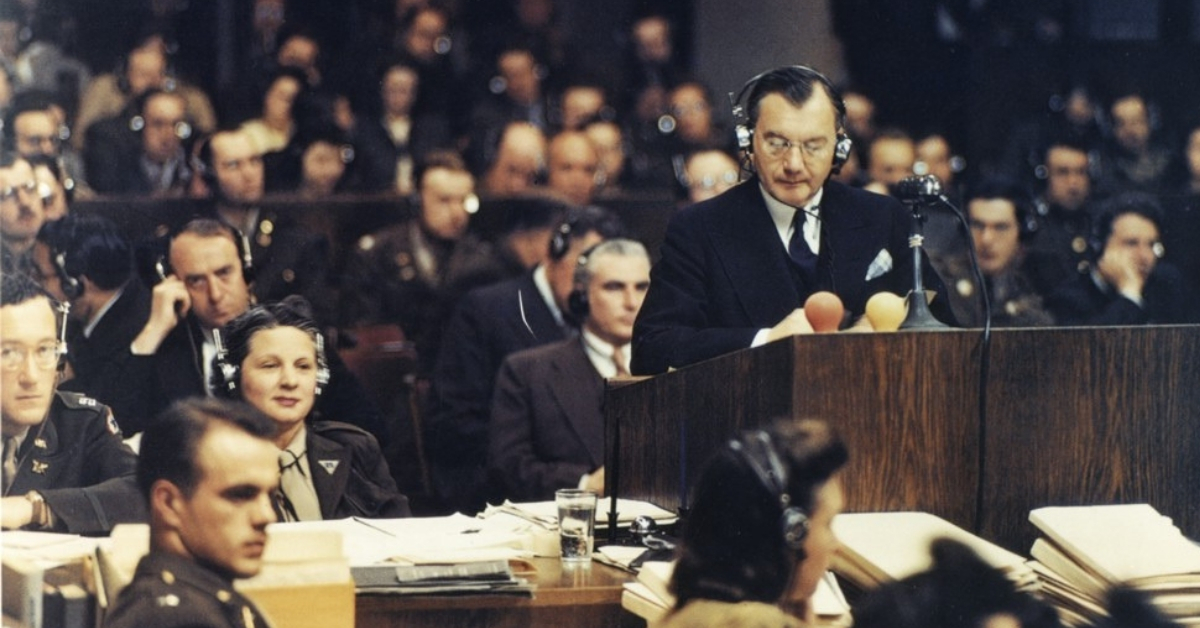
x,y
595,481
15,512
169,303
1120,269
792,324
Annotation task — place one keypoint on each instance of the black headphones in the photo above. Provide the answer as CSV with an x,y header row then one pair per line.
x,y
72,288
560,242
577,301
230,374
183,129
758,450
162,264
748,96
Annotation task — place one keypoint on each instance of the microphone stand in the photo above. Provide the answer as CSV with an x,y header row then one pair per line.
x,y
919,317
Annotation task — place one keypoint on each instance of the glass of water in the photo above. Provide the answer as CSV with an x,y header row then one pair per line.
x,y
576,523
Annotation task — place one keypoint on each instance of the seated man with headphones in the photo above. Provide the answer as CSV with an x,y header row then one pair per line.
x,y
736,270
759,537
1128,284
65,466
547,429
86,261
205,279
142,151
1017,276
488,324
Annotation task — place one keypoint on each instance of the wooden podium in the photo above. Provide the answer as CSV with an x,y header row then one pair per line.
x,y
1070,416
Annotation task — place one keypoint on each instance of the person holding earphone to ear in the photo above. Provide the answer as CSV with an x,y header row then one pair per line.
x,y
273,357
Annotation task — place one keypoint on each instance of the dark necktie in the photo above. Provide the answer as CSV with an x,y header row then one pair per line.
x,y
10,461
799,251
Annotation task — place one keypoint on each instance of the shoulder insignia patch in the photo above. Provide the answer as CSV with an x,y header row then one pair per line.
x,y
111,422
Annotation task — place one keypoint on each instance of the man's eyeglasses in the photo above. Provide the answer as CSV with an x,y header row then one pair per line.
x,y
45,356
29,187
778,147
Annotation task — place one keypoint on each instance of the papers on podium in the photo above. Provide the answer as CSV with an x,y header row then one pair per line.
x,y
880,547
1086,550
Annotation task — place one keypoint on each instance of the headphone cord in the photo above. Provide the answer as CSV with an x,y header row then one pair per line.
x,y
985,355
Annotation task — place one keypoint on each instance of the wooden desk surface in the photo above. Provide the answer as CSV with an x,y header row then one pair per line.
x,y
585,596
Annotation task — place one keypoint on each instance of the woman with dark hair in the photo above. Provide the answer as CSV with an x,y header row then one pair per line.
x,y
273,357
758,539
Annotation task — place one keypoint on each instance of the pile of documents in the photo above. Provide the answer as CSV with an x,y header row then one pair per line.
x,y
1086,550
48,579
880,547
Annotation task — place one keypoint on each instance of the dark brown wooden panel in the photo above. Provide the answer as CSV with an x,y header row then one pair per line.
x,y
1092,416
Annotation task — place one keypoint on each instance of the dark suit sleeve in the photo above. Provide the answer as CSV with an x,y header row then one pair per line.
x,y
109,494
511,450
673,327
371,482
457,422
346,398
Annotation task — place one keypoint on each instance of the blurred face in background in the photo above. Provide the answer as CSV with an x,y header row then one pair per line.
x,y
322,167
163,115
1067,180
996,232
399,91
447,202
573,166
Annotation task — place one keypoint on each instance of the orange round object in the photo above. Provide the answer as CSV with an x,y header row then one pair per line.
x,y
824,311
886,311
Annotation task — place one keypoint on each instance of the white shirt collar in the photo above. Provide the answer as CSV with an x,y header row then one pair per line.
x,y
600,354
783,214
91,326
543,286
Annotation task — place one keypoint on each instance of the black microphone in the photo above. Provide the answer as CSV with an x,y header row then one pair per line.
x,y
919,189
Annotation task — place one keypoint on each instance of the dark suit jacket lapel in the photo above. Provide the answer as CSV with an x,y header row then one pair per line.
x,y
529,307
752,257
579,403
329,484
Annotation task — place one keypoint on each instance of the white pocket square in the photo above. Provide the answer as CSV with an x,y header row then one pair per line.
x,y
881,265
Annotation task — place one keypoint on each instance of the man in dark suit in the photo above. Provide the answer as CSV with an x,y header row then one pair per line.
x,y
142,150
205,285
489,324
1127,285
736,270
91,266
208,470
547,428
65,467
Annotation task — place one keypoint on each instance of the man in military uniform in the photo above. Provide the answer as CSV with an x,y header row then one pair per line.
x,y
1064,214
411,274
1016,276
288,258
65,466
208,470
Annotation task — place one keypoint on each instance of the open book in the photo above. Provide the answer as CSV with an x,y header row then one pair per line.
x,y
879,547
